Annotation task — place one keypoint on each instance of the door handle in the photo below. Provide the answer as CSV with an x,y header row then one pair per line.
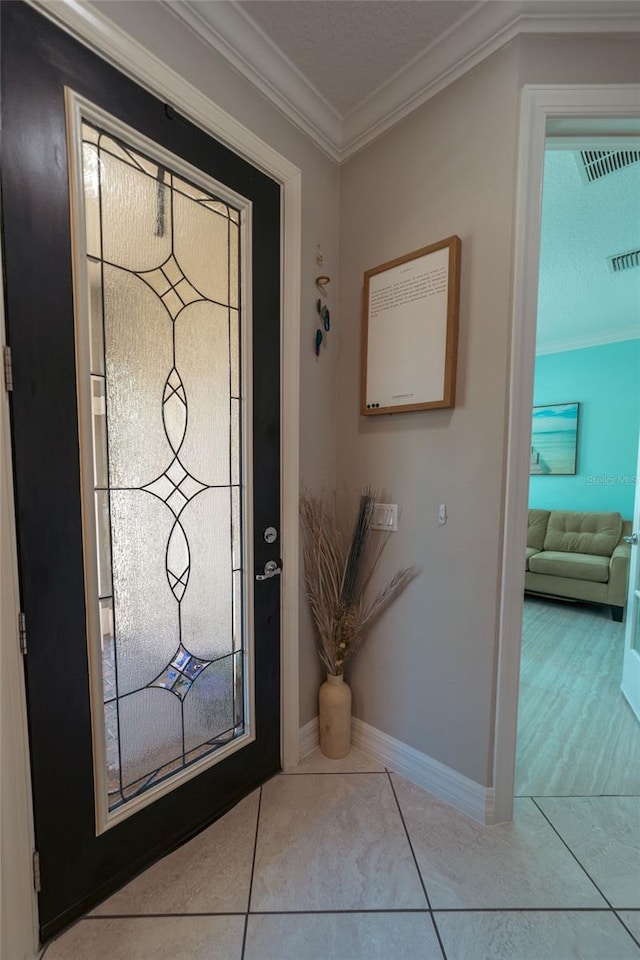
x,y
271,569
633,539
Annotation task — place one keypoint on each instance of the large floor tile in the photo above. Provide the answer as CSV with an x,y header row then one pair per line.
x,y
604,834
209,874
333,843
346,936
151,938
631,919
467,865
355,762
535,936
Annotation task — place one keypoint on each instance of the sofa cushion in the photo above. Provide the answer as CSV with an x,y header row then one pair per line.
x,y
537,528
530,552
573,532
578,566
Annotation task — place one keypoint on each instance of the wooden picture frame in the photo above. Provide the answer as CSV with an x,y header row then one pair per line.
x,y
410,331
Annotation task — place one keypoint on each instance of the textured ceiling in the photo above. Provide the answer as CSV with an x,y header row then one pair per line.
x,y
583,224
348,49
345,71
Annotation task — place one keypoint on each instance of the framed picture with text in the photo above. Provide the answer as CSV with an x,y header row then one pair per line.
x,y
410,331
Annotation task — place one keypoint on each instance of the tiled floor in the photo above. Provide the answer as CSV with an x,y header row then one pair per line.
x,y
571,669
343,860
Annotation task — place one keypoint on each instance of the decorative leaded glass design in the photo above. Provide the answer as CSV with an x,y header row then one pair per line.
x,y
163,276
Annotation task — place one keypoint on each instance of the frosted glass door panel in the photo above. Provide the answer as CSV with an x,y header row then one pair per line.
x,y
207,625
139,359
165,386
139,240
146,614
202,241
209,708
150,734
203,358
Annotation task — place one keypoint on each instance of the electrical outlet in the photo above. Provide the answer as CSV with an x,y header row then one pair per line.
x,y
385,516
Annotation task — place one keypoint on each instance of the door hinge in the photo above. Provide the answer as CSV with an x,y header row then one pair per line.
x,y
8,368
37,885
22,633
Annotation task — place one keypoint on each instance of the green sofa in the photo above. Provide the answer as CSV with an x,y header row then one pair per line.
x,y
578,556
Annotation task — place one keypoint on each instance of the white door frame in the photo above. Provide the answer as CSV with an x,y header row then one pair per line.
x,y
584,111
18,902
132,59
630,685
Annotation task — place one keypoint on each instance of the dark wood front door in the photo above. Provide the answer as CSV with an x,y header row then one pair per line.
x,y
147,461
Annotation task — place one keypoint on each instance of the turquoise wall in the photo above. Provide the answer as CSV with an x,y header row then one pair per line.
x,y
605,380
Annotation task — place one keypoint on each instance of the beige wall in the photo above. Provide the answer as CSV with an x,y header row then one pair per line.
x,y
427,673
161,33
579,60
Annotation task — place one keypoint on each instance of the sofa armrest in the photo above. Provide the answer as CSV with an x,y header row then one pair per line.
x,y
619,574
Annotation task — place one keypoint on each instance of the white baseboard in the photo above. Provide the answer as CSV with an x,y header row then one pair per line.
x,y
464,794
309,738
459,791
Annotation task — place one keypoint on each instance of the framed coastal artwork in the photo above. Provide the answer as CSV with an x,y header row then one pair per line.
x,y
554,440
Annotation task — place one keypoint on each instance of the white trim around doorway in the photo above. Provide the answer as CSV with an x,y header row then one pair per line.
x,y
545,111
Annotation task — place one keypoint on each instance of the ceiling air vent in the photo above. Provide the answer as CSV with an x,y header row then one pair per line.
x,y
624,261
600,163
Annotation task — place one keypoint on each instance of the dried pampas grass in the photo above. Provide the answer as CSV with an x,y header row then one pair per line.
x,y
337,574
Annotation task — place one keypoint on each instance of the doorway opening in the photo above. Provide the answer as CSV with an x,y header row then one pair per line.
x,y
577,735
596,117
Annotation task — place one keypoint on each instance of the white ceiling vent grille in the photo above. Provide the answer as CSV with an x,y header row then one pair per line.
x,y
624,261
600,163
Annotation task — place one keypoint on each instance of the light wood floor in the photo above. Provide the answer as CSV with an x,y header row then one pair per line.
x,y
577,736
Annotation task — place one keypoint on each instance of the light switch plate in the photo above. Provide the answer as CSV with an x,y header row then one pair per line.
x,y
385,516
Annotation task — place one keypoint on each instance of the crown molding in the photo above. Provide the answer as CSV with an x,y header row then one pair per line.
x,y
231,33
595,340
484,31
228,30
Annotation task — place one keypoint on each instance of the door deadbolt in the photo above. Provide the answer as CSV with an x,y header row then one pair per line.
x,y
271,534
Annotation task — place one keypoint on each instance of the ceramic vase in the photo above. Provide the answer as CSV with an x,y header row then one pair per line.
x,y
335,717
